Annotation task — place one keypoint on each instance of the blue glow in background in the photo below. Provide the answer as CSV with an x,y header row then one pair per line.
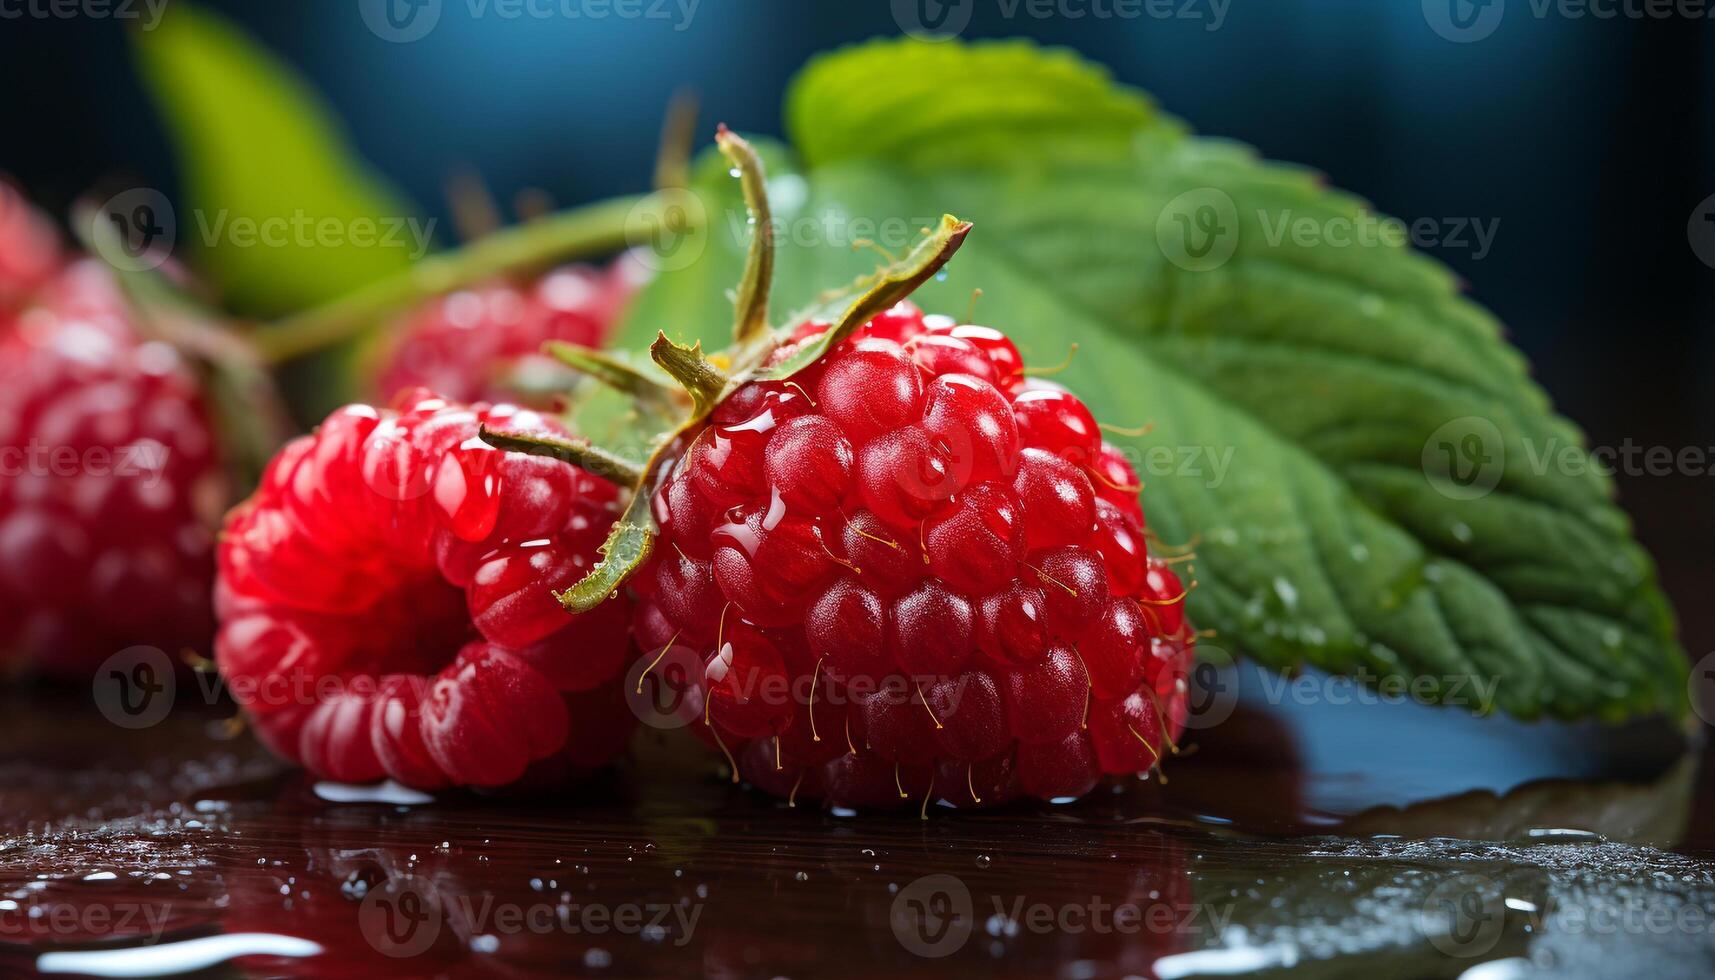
x,y
1587,138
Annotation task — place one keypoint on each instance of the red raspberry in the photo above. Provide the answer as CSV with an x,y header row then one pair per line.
x,y
110,483
29,250
908,571
467,344
386,610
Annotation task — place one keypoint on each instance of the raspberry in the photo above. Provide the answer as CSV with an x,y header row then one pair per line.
x,y
469,344
29,249
910,571
111,485
386,608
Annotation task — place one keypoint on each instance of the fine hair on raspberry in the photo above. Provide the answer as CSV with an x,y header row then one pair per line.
x,y
913,571
386,600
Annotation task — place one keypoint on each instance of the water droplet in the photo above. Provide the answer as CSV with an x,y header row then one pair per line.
x,y
983,860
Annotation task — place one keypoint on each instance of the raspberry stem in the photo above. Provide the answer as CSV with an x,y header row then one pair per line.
x,y
751,302
678,133
690,368
584,455
594,229
651,395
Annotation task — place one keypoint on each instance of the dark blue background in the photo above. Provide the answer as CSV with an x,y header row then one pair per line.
x,y
1588,139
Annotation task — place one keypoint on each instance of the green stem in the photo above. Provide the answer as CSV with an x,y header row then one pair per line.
x,y
583,455
591,230
690,368
751,303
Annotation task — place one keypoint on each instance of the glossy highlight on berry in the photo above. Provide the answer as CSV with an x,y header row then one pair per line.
x,y
386,603
915,574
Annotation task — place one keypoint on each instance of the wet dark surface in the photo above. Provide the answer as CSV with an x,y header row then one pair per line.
x,y
1315,839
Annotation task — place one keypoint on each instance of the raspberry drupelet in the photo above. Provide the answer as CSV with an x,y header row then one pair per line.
x,y
113,483
30,252
386,603
467,345
910,571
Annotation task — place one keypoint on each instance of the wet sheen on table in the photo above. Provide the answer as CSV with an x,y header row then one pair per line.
x,y
184,846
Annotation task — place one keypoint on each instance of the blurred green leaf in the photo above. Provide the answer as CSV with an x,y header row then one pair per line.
x,y
277,211
1300,393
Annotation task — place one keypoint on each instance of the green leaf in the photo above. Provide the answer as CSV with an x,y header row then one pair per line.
x,y
1303,396
276,211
